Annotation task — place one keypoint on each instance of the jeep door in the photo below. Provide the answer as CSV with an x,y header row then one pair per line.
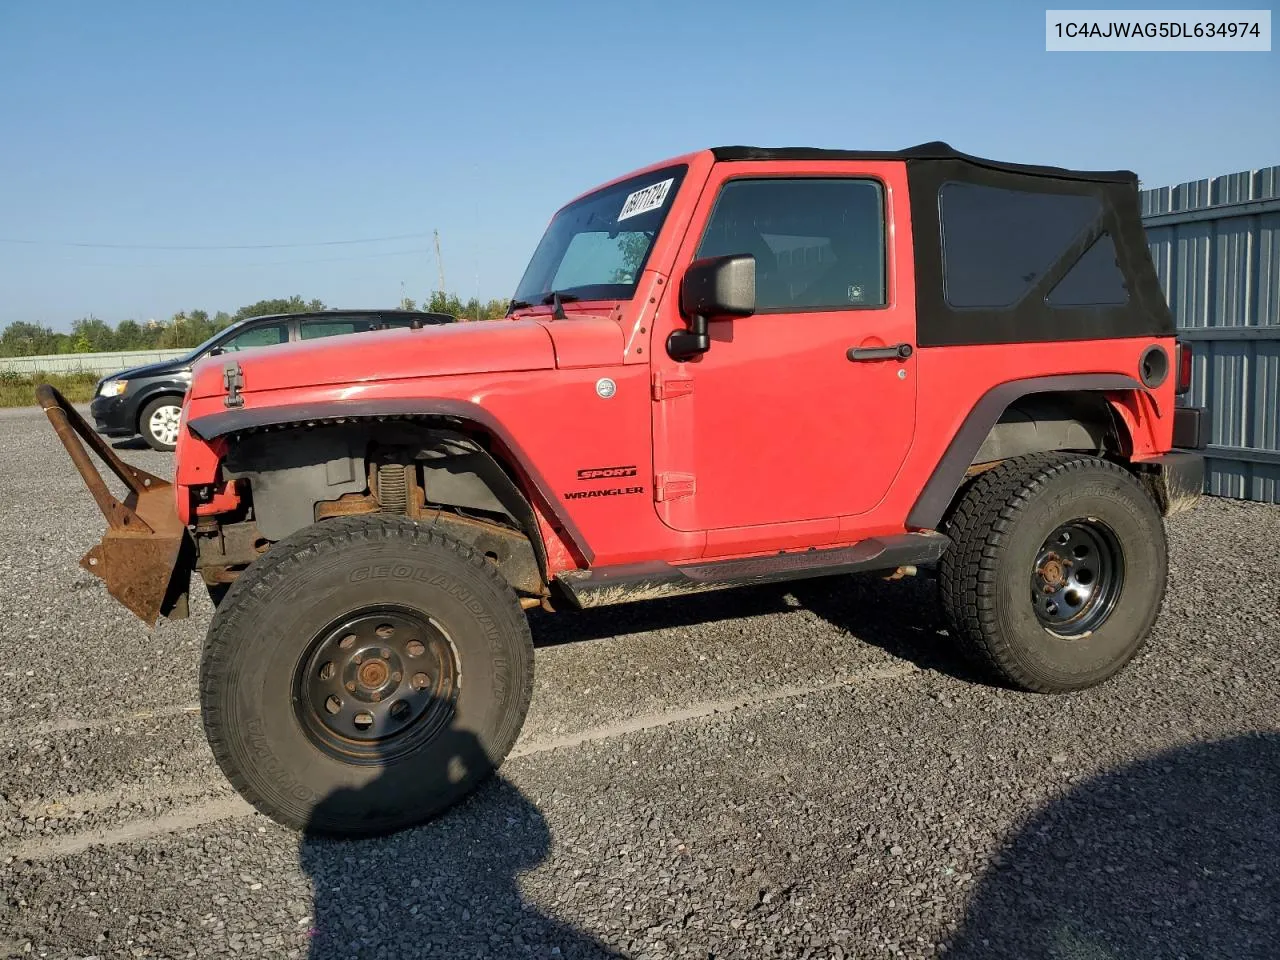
x,y
802,413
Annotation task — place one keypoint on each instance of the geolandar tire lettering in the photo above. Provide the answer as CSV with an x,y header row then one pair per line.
x,y
331,683
1057,570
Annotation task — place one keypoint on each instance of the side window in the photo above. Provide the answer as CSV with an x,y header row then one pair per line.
x,y
818,243
1096,280
267,336
336,327
997,244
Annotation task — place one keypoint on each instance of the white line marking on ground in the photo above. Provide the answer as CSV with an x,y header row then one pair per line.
x,y
67,724
229,807
705,708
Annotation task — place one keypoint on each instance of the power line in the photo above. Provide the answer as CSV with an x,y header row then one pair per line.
x,y
240,246
417,251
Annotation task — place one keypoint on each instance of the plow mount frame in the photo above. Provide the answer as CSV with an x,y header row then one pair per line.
x,y
145,556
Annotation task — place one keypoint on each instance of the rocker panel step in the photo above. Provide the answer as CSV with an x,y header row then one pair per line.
x,y
603,586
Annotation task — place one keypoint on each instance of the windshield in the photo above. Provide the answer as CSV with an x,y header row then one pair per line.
x,y
595,248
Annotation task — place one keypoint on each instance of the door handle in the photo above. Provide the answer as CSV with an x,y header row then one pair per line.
x,y
897,351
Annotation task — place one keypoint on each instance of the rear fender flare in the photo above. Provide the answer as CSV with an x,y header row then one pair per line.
x,y
940,490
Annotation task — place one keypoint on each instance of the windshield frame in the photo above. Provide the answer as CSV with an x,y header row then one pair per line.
x,y
675,172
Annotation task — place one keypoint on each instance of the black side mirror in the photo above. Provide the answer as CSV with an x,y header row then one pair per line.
x,y
714,288
215,352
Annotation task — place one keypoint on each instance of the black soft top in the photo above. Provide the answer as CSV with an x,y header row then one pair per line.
x,y
980,229
923,152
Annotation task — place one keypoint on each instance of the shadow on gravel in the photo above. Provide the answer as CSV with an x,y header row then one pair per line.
x,y
449,888
134,443
1175,856
902,617
568,625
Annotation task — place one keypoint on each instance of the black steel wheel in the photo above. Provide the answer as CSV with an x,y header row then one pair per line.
x,y
377,684
1056,570
332,684
1077,577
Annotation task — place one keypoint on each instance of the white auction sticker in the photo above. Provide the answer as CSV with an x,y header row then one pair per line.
x,y
651,197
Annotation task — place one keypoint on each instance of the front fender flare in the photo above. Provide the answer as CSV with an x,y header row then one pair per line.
x,y
227,423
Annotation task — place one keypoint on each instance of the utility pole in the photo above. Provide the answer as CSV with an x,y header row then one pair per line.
x,y
439,263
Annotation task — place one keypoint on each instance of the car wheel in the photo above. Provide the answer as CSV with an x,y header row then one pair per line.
x,y
332,684
1056,571
159,421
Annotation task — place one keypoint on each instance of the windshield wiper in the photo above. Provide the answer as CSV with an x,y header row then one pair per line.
x,y
515,305
555,298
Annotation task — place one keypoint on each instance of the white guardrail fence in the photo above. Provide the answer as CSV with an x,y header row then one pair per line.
x,y
100,364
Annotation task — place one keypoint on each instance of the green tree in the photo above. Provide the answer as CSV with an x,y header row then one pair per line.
x,y
265,308
91,335
22,339
129,336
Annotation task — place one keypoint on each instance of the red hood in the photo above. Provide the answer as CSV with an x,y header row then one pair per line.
x,y
455,348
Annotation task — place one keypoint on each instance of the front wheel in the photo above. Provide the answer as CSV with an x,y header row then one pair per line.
x,y
364,675
1056,571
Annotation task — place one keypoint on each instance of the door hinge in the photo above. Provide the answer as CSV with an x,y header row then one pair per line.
x,y
673,486
666,387
233,380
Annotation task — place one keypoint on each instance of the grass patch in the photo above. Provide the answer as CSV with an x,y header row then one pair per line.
x,y
19,389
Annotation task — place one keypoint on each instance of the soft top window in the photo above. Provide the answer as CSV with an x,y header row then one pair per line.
x,y
998,243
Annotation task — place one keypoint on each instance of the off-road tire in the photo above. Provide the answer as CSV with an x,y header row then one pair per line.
x,y
258,641
145,426
997,528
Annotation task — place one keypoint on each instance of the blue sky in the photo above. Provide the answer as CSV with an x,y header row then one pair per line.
x,y
237,123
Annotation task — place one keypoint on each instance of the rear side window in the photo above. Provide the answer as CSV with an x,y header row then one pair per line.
x,y
818,243
338,326
1096,280
997,244
267,336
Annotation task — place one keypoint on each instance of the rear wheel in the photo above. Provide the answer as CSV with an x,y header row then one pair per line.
x,y
364,675
158,422
1056,572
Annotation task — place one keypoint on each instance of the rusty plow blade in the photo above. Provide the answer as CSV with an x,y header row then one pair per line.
x,y
144,556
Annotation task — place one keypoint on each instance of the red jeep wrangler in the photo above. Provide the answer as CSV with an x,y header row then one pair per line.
x,y
742,365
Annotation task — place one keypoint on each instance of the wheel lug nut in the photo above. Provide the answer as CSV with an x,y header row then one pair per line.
x,y
376,696
386,653
357,658
351,687
396,676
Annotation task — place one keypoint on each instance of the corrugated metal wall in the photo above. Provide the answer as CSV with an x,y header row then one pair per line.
x,y
1216,247
99,363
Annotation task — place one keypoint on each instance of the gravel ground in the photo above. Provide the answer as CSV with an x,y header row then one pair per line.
x,y
800,771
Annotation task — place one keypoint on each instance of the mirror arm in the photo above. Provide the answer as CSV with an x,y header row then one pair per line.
x,y
687,344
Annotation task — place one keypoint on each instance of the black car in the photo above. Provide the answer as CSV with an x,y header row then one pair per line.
x,y
148,400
